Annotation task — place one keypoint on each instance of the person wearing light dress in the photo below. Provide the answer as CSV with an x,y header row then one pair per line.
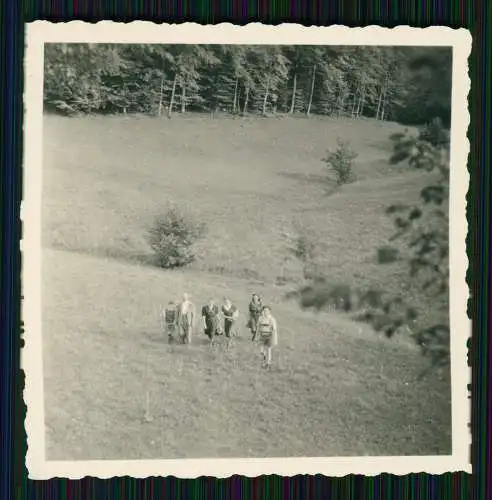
x,y
268,335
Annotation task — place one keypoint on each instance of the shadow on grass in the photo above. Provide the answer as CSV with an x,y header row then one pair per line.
x,y
118,254
307,178
150,260
328,184
157,338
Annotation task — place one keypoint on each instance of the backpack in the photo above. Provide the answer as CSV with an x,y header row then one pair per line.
x,y
170,315
265,328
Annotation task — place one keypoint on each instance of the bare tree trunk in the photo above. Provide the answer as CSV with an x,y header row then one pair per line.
x,y
362,102
266,96
214,105
239,95
161,95
385,97
361,96
354,100
379,102
359,102
383,107
124,98
245,107
173,92
234,102
341,104
294,90
183,96
313,79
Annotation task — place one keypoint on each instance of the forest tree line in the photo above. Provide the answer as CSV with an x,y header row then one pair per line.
x,y
381,82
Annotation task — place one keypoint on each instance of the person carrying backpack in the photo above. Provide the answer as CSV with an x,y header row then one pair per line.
x,y
169,317
268,334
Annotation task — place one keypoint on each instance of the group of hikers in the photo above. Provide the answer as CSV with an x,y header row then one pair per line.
x,y
179,321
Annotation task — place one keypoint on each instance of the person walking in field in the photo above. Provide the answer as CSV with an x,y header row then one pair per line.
x,y
185,320
268,334
255,307
230,313
210,316
169,318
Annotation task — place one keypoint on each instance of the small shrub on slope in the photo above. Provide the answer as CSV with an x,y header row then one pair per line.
x,y
340,161
172,237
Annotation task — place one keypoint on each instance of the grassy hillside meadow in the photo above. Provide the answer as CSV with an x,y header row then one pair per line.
x,y
336,387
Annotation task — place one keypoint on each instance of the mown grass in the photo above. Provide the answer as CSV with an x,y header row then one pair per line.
x,y
336,388
248,179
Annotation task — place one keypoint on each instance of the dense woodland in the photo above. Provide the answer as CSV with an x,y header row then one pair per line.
x,y
384,83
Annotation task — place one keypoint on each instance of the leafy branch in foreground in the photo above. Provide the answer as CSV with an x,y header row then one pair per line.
x,y
419,243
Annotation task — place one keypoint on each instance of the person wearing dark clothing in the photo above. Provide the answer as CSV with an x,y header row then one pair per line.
x,y
255,307
210,315
230,313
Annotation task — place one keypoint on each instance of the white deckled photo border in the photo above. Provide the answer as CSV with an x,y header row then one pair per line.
x,y
41,32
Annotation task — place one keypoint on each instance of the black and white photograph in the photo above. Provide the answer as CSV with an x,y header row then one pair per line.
x,y
244,250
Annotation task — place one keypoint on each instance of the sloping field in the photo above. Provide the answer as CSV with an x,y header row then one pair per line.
x,y
251,181
336,387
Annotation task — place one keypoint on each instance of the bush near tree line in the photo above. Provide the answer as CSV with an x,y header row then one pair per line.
x,y
422,230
